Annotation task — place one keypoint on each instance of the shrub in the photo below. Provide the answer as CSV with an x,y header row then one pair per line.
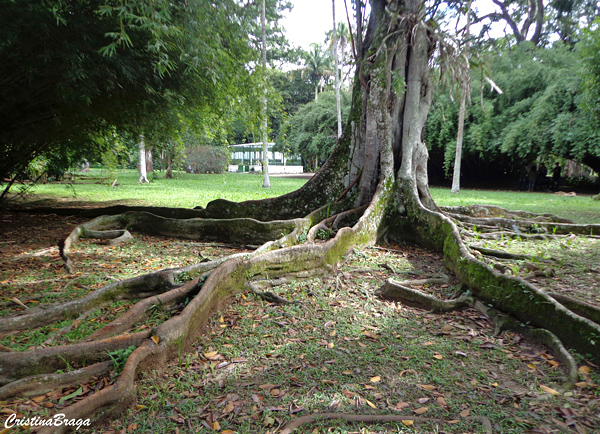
x,y
206,159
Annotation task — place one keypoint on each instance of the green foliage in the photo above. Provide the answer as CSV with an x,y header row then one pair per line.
x,y
539,115
590,53
206,159
71,68
312,131
119,358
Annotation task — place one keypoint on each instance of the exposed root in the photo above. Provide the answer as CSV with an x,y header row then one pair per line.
x,y
503,235
517,296
393,290
548,226
233,231
112,238
179,332
20,364
506,255
490,211
154,283
334,222
141,310
537,335
268,295
370,418
580,308
38,384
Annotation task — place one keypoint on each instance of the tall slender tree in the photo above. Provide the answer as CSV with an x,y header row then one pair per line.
x,y
264,123
465,89
336,71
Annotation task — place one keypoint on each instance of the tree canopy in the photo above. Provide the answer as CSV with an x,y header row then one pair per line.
x,y
70,68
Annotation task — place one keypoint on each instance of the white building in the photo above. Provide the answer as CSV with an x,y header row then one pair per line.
x,y
247,157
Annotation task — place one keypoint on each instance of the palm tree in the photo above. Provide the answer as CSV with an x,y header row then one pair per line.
x,y
317,64
343,39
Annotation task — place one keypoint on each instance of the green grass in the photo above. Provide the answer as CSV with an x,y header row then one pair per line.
x,y
580,209
190,190
185,190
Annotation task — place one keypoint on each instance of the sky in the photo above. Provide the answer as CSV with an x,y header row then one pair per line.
x,y
309,20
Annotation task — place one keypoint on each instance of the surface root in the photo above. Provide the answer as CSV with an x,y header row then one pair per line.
x,y
370,418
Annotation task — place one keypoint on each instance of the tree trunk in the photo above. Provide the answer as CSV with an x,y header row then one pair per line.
x,y
149,160
465,88
264,129
337,73
169,171
142,165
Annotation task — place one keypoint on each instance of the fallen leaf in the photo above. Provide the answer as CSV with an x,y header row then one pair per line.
x,y
584,369
348,394
421,410
370,404
375,379
549,390
402,405
269,421
441,401
212,355
438,356
581,384
465,413
428,387
408,422
155,339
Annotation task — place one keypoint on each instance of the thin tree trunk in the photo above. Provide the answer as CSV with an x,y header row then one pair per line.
x,y
464,91
265,138
169,172
149,160
336,71
142,166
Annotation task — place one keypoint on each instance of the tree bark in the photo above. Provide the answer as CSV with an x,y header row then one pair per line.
x,y
337,73
465,88
142,165
264,128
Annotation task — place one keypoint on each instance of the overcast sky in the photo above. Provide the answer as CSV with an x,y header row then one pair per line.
x,y
311,19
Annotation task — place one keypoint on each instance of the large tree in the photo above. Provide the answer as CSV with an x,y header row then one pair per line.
x,y
72,68
374,184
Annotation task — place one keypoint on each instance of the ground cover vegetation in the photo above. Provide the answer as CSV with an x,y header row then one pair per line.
x,y
373,189
336,347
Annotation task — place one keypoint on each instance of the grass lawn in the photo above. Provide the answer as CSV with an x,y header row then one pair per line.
x,y
190,190
580,209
